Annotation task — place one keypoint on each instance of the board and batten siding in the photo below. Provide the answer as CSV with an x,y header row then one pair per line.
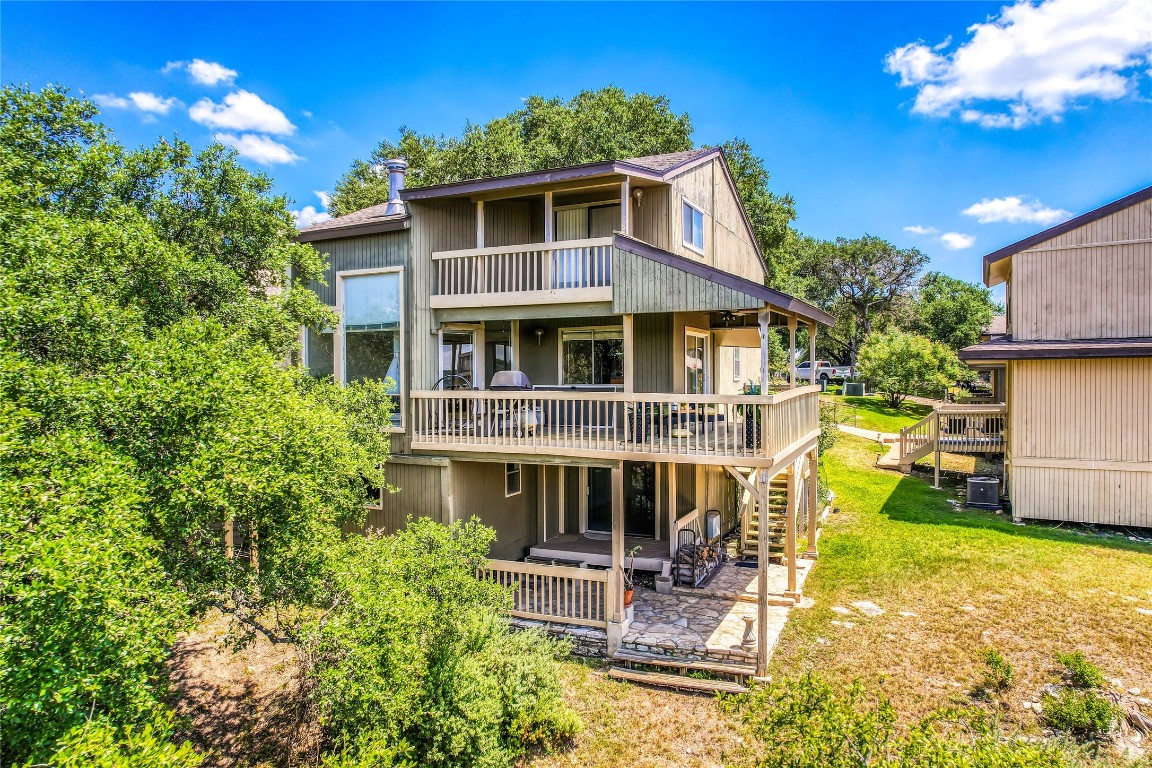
x,y
388,249
728,244
419,494
1080,433
478,490
1092,282
642,285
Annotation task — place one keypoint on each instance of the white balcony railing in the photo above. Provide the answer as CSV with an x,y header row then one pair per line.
x,y
554,593
566,271
749,428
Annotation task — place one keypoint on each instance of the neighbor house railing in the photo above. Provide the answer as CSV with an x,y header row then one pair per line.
x,y
553,593
738,427
569,270
955,428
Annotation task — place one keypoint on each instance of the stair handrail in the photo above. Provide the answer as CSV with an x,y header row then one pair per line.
x,y
923,432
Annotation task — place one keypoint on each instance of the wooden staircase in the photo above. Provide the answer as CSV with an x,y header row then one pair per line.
x,y
775,519
648,669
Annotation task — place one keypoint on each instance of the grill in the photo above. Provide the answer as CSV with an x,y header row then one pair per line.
x,y
510,381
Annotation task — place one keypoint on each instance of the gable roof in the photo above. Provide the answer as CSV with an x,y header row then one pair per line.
x,y
366,221
1008,251
654,167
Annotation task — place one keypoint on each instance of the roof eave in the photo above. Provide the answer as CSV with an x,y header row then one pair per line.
x,y
353,230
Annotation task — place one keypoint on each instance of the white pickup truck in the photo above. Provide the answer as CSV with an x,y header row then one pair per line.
x,y
825,371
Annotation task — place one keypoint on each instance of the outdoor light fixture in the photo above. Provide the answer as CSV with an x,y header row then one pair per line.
x,y
539,336
639,195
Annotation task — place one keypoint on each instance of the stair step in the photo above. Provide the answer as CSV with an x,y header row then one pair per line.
x,y
630,656
662,680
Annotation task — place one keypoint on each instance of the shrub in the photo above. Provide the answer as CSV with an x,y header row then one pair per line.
x,y
1082,713
899,364
803,723
996,676
1080,672
829,429
99,744
416,652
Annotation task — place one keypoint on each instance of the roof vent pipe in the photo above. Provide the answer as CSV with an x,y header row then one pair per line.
x,y
396,170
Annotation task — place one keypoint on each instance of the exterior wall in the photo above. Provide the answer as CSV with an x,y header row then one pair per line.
x,y
1080,435
724,381
652,219
1092,282
727,243
419,493
389,249
641,285
478,490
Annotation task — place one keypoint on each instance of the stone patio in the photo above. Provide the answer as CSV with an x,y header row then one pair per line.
x,y
708,623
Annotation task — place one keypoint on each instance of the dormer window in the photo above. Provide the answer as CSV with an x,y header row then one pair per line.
x,y
693,227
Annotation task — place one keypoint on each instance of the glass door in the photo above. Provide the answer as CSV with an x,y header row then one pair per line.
x,y
697,374
457,358
599,499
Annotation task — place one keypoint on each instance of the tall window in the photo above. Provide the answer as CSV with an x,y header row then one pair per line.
x,y
693,227
592,356
371,315
737,374
695,363
457,364
498,353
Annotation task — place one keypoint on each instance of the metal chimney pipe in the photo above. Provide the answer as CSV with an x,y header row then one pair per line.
x,y
396,170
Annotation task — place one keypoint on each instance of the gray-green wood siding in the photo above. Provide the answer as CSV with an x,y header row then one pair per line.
x,y
388,249
478,489
418,494
640,285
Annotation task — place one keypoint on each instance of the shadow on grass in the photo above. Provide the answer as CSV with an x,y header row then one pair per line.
x,y
913,500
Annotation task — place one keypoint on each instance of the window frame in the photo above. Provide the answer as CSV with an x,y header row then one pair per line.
x,y
338,347
518,473
560,351
737,367
689,245
700,333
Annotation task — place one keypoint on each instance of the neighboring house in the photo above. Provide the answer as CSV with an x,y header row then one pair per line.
x,y
630,297
1076,359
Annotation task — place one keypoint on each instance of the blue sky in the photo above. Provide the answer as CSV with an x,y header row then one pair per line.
x,y
953,127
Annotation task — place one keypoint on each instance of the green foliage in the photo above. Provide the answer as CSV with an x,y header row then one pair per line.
x,y
949,310
863,283
1080,672
144,319
594,125
996,677
97,744
1082,713
898,364
829,429
415,652
803,723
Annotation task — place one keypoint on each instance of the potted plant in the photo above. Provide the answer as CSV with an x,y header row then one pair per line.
x,y
629,568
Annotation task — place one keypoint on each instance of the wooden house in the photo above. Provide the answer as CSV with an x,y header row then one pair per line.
x,y
568,349
1076,359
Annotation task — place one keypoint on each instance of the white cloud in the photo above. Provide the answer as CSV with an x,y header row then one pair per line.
x,y
260,149
144,101
956,241
1031,62
325,198
1015,210
309,215
241,111
203,72
916,229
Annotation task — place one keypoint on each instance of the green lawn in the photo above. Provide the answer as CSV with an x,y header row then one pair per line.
x,y
953,582
873,413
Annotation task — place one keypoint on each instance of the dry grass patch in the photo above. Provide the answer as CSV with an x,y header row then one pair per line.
x,y
626,724
954,582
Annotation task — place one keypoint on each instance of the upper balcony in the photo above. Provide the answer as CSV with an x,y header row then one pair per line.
x,y
570,271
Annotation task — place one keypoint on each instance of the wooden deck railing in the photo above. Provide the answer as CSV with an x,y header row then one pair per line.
x,y
554,593
569,270
955,428
752,428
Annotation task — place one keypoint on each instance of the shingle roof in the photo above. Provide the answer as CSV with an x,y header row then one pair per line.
x,y
661,163
998,326
371,218
1007,348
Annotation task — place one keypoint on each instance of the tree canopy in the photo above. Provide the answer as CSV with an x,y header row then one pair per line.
x,y
898,364
949,310
594,125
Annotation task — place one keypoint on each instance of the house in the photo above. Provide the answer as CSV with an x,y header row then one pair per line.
x,y
1076,360
569,350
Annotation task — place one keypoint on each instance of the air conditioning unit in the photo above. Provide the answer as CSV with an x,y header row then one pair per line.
x,y
853,389
984,492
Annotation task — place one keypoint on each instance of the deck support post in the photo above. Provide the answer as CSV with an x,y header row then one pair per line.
x,y
812,353
625,204
791,352
813,504
790,529
936,470
765,374
629,351
762,482
479,223
615,606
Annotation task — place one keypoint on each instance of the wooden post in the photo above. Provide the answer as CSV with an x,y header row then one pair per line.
x,y
762,577
812,353
549,222
479,223
229,539
629,361
791,352
936,438
790,528
616,582
765,374
561,499
625,202
813,503
673,511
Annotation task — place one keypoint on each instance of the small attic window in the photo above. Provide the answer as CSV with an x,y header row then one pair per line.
x,y
693,227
